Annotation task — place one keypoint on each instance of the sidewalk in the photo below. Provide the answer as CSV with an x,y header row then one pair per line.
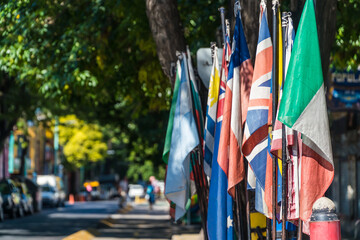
x,y
137,221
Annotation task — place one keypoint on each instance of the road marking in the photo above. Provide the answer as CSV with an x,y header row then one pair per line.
x,y
83,235
107,222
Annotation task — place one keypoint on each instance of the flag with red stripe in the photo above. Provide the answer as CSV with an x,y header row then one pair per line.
x,y
235,108
255,145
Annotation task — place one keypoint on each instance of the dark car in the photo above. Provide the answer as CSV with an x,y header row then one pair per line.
x,y
33,189
1,209
11,198
26,198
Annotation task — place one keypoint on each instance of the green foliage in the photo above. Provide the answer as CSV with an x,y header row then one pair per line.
x,y
138,146
346,52
89,59
82,142
200,21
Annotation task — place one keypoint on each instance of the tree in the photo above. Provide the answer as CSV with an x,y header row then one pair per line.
x,y
347,44
100,59
82,142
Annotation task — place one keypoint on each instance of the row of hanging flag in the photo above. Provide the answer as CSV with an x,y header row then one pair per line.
x,y
240,130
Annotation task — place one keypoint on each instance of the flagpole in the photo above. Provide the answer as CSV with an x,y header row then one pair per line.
x,y
222,15
284,157
275,4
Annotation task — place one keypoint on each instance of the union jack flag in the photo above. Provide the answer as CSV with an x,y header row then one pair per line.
x,y
256,142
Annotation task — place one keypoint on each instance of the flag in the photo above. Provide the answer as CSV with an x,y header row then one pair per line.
x,y
211,109
183,140
195,97
169,130
235,108
220,212
255,143
303,109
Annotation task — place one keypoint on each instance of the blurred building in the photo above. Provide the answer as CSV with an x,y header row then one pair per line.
x,y
39,155
344,115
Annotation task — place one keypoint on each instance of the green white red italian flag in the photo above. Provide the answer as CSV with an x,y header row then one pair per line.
x,y
303,108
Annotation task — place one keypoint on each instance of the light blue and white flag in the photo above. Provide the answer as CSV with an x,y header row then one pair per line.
x,y
183,140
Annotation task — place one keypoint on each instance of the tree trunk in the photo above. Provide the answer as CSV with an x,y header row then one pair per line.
x,y
7,120
250,11
166,29
326,23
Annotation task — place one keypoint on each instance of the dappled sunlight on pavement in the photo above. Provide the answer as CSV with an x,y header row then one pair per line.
x,y
139,222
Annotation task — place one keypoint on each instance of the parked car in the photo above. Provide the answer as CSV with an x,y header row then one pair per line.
x,y
136,190
33,189
52,188
1,209
50,197
26,198
11,198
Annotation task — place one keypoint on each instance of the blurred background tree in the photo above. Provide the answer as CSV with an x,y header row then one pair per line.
x,y
82,142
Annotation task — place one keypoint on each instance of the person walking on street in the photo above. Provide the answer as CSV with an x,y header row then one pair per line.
x,y
150,195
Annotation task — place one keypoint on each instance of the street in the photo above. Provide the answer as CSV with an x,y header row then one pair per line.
x,y
99,220
57,223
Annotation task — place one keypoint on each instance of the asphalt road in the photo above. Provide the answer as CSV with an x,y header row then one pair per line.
x,y
57,223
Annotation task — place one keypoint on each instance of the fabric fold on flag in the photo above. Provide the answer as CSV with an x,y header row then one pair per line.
x,y
303,109
169,129
183,140
195,96
235,109
212,103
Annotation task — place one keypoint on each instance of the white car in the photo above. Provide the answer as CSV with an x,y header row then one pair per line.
x,y
53,193
136,190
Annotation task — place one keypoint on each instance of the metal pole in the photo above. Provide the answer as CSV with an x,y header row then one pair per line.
x,y
223,28
274,108
238,212
284,148
299,233
284,185
268,228
4,158
247,203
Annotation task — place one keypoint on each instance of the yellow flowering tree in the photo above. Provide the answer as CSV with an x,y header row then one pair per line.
x,y
82,142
